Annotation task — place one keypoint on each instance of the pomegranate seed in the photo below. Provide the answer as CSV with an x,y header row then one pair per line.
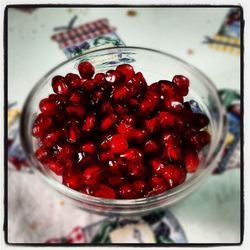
x,y
91,175
106,156
152,125
71,179
150,102
121,109
116,166
108,122
153,87
134,169
72,80
200,120
88,147
96,97
158,185
75,110
182,84
166,119
151,146
126,191
59,85
86,190
105,141
120,93
138,135
73,134
173,104
48,107
157,165
89,123
41,124
100,78
104,191
118,143
113,76
191,159
166,88
115,180
106,108
133,154
88,85
170,139
200,139
127,70
42,153
57,168
65,151
139,186
51,138
86,70
75,97
172,153
174,175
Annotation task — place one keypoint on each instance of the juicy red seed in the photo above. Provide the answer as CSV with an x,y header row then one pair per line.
x,y
173,104
182,84
51,138
133,154
120,93
126,191
72,80
88,147
86,70
151,146
41,124
139,186
58,99
73,134
166,88
120,109
106,107
91,175
174,175
158,185
153,87
65,151
89,123
107,122
75,110
135,169
71,179
170,139
200,120
150,102
106,156
191,159
166,119
200,139
118,143
100,78
115,180
113,76
138,135
42,153
116,166
104,191
152,125
105,142
57,168
172,153
86,190
127,70
48,107
157,165
59,85
75,97
88,85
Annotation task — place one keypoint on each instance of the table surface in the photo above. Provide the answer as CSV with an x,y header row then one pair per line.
x,y
212,214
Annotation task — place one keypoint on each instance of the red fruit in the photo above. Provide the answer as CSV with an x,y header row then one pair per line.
x,y
91,175
149,103
151,146
116,166
153,87
152,125
88,147
200,120
174,175
51,138
126,191
135,169
157,165
96,97
115,180
133,154
75,97
158,185
106,156
75,110
182,84
105,141
59,85
125,130
174,104
166,119
137,85
86,190
120,93
200,139
58,99
48,107
41,124
100,78
89,123
42,153
65,151
57,168
139,186
107,122
113,76
71,179
121,109
104,191
73,134
191,159
72,80
106,108
170,139
88,84
127,70
166,88
86,70
138,135
118,143
172,153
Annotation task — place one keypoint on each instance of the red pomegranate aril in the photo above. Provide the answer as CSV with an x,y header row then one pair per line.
x,y
127,70
120,93
89,123
91,175
116,166
57,168
48,107
151,146
133,154
182,84
152,125
72,80
126,191
59,85
139,186
174,175
172,153
157,165
106,156
200,139
75,97
65,151
170,139
88,147
118,143
104,191
105,141
173,104
75,110
71,179
157,184
41,124
115,180
86,190
121,109
200,120
100,78
106,108
125,130
138,135
42,153
135,169
166,88
107,122
149,103
154,87
73,134
191,159
86,70
88,85
51,138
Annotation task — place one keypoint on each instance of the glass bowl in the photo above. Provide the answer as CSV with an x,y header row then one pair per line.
x,y
155,65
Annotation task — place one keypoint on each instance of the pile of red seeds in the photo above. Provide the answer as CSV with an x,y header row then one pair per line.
x,y
111,135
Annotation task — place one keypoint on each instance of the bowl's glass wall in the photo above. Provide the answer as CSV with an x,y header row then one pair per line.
x,y
155,66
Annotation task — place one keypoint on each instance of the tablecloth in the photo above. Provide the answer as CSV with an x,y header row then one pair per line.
x,y
212,213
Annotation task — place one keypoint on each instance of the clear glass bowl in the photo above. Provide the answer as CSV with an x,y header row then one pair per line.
x,y
155,65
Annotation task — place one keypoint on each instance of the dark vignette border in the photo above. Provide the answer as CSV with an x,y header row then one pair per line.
x,y
5,42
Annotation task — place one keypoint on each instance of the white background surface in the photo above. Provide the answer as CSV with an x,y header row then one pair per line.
x,y
31,54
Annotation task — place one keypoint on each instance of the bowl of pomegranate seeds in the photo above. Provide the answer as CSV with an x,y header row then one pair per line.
x,y
124,130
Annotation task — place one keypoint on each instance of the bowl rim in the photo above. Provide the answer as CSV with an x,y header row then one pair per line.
x,y
123,202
